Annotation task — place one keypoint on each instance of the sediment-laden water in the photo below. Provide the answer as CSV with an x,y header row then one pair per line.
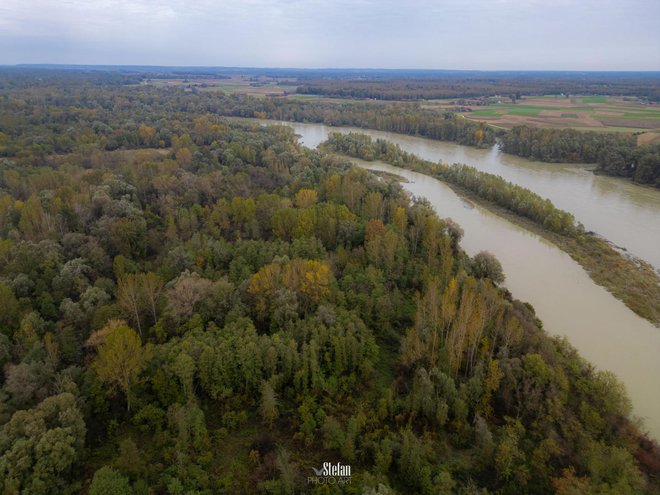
x,y
568,302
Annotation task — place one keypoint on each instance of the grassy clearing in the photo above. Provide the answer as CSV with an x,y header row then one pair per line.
x,y
487,113
594,99
533,110
649,137
524,110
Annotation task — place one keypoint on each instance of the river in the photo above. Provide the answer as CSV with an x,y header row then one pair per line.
x,y
568,302
625,213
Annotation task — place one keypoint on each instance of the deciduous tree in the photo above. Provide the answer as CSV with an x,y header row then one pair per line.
x,y
120,360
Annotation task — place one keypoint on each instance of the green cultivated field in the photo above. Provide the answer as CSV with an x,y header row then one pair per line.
x,y
501,109
599,113
594,99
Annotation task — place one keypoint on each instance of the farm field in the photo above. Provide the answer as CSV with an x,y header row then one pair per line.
x,y
586,113
593,113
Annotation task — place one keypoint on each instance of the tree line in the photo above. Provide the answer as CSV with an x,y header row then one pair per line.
x,y
487,186
615,153
462,85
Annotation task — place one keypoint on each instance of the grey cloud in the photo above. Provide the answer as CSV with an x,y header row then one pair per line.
x,y
480,34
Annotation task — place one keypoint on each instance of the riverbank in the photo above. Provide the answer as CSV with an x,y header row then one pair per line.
x,y
616,209
632,281
545,144
565,299
629,279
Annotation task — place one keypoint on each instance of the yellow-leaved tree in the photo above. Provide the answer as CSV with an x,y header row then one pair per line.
x,y
305,198
120,360
308,279
263,285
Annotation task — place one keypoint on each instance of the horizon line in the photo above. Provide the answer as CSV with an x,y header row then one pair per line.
x,y
383,69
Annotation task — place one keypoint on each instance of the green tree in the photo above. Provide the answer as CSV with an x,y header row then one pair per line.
x,y
509,457
486,265
184,369
38,447
120,360
108,481
268,404
8,309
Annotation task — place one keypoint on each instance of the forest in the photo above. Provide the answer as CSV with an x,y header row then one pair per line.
x,y
467,84
404,119
615,154
194,305
381,84
94,96
636,284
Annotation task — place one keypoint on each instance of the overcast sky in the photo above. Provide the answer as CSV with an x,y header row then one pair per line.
x,y
441,34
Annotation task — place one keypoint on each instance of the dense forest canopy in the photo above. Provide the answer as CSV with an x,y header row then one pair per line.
x,y
25,110
193,305
615,153
475,84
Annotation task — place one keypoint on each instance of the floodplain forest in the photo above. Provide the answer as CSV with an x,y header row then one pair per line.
x,y
194,305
